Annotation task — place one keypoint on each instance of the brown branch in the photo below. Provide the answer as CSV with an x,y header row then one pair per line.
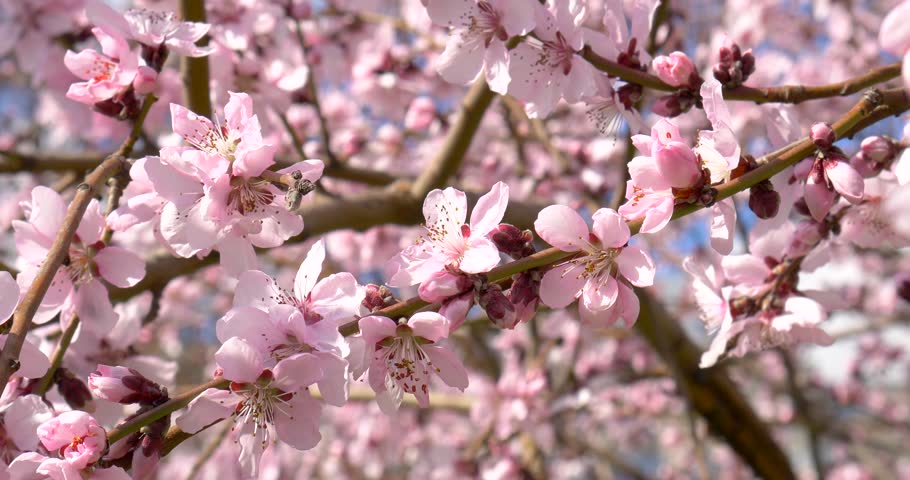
x,y
57,357
780,94
195,71
804,413
313,97
713,395
451,153
163,410
22,318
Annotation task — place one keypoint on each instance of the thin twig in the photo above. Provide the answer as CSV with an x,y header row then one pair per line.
x,y
57,358
313,97
195,71
206,454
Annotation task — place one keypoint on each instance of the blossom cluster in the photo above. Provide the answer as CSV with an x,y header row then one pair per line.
x,y
368,275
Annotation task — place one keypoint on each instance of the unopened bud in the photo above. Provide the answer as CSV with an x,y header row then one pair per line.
x,y
866,167
513,241
675,69
677,163
377,297
668,106
74,391
822,135
747,64
497,305
721,74
764,201
146,80
902,280
126,386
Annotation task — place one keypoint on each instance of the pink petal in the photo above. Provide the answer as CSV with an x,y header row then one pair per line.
x,y
665,132
447,366
91,225
462,58
337,297
238,110
562,227
46,211
9,295
33,362
253,162
901,166
22,418
256,289
489,210
333,385
637,266
94,308
451,14
209,407
745,269
120,266
194,128
480,256
310,169
600,294
375,328
309,270
561,285
300,429
429,325
189,231
894,33
297,372
449,206
723,223
496,67
845,180
629,305
250,324
610,228
819,198
240,361
236,255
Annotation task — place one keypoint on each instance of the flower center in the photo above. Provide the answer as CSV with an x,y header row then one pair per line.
x,y
557,54
79,264
259,406
249,195
409,365
487,24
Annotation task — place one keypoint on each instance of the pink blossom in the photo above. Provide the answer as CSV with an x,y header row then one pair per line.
x,y
404,356
649,196
215,196
76,288
828,177
480,29
106,75
124,385
545,69
151,28
450,242
76,435
266,404
675,69
604,271
894,37
675,161
717,148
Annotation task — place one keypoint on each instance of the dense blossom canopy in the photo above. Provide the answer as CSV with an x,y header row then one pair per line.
x,y
439,239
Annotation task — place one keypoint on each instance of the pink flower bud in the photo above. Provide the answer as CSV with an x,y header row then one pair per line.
x,y
764,201
878,149
822,135
512,241
76,435
146,80
819,197
677,163
675,69
124,385
377,297
442,285
667,106
866,167
420,114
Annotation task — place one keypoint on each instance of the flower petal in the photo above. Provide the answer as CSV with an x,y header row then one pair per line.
x,y
562,227
309,270
209,407
429,325
447,366
561,285
120,266
610,228
489,210
637,266
9,295
239,360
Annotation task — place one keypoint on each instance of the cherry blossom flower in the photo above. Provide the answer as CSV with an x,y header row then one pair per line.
x,y
450,242
480,29
216,197
545,68
18,426
405,355
76,435
77,288
151,28
829,176
649,196
266,404
603,272
106,75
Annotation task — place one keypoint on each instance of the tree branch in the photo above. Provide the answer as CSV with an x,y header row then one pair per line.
x,y
22,318
195,71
